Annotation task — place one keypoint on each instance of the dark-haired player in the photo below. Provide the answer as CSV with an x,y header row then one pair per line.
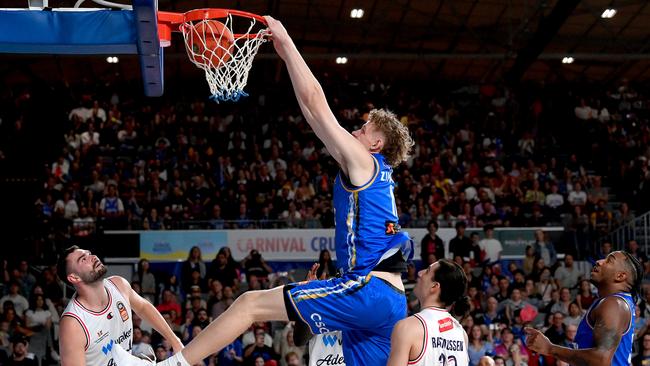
x,y
433,336
605,334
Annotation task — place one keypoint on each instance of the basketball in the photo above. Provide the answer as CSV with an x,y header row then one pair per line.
x,y
210,41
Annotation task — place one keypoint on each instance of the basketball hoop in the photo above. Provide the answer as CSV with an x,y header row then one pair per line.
x,y
213,45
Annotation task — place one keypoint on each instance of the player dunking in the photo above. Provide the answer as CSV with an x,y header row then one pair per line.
x,y
99,314
606,332
368,299
433,336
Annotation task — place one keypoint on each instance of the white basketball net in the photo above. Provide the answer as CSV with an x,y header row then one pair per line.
x,y
226,69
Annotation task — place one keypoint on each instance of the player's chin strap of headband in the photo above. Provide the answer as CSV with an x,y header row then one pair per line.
x,y
638,275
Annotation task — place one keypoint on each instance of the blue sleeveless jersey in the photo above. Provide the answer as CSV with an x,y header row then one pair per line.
x,y
585,335
367,228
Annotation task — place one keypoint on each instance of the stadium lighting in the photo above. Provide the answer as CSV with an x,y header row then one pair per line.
x,y
356,13
112,59
341,60
608,13
568,60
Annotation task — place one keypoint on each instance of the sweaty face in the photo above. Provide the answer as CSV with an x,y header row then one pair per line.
x,y
86,266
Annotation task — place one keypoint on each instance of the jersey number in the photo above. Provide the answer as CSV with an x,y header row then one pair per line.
x,y
447,361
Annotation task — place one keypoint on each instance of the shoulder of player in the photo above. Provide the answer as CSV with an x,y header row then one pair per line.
x,y
609,304
410,328
72,328
121,283
612,305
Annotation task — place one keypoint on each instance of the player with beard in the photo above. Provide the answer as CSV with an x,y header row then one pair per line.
x,y
606,332
99,314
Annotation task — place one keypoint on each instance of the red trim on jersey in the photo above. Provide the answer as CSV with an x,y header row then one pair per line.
x,y
108,306
83,325
425,341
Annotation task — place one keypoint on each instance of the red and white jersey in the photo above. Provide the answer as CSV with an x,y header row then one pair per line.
x,y
445,341
104,328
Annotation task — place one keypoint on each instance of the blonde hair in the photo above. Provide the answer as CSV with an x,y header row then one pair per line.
x,y
398,142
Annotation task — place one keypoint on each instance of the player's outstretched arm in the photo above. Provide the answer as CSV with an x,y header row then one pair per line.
x,y
72,342
352,156
407,338
607,331
147,312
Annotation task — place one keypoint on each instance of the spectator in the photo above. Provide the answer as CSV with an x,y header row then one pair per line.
x,y
529,260
568,275
292,359
585,295
193,262
326,267
20,303
169,303
83,225
224,303
575,315
490,247
223,271
146,279
20,354
431,244
287,345
259,350
545,249
478,347
255,265
231,355
461,245
111,207
562,306
556,332
577,197
38,320
643,357
634,249
511,350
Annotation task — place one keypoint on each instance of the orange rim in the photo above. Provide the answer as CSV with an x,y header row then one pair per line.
x,y
171,22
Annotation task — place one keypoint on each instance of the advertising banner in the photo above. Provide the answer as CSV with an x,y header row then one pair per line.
x,y
300,244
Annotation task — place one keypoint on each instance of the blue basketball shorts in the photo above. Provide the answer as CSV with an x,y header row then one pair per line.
x,y
365,308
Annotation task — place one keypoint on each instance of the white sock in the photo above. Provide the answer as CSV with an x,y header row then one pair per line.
x,y
123,358
175,360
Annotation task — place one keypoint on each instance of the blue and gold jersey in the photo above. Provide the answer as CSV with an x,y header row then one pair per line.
x,y
367,226
585,335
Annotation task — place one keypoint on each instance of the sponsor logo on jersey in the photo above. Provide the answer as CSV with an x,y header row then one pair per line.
x,y
392,228
445,325
330,360
331,340
123,313
123,337
319,323
108,347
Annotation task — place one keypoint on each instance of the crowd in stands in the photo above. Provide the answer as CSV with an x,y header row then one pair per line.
x,y
542,291
483,155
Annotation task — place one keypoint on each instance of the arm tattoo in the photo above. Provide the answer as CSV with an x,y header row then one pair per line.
x,y
605,338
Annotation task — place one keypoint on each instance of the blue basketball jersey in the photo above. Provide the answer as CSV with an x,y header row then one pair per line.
x,y
585,335
367,228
